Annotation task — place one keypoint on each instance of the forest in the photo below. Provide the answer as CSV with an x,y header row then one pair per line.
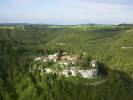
x,y
111,45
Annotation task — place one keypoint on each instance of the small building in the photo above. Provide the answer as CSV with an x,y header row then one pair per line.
x,y
84,53
90,73
73,72
66,57
38,59
69,72
65,72
64,63
53,57
93,63
45,60
47,70
64,53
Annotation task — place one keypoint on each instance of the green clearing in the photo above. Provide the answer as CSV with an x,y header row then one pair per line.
x,y
7,27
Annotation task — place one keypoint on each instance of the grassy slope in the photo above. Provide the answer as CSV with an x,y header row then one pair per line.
x,y
105,45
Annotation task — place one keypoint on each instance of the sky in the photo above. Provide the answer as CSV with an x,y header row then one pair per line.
x,y
66,11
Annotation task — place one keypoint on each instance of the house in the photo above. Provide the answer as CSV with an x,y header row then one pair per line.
x,y
64,53
73,60
64,63
38,59
90,73
60,63
69,58
45,60
69,72
93,63
53,57
47,70
84,53
66,57
73,72
65,72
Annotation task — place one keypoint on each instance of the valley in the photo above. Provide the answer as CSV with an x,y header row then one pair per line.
x,y
79,62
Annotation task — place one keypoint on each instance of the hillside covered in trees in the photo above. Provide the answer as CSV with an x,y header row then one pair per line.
x,y
112,46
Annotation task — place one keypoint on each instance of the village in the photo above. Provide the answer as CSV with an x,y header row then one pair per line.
x,y
64,64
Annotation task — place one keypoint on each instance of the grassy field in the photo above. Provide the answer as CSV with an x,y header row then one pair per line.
x,y
7,27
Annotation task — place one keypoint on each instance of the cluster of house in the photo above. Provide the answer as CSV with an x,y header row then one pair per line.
x,y
49,58
61,59
67,63
72,71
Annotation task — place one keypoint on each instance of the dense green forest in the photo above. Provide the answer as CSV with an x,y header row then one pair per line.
x,y
111,45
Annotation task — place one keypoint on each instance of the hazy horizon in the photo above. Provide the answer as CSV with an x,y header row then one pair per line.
x,y
66,12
